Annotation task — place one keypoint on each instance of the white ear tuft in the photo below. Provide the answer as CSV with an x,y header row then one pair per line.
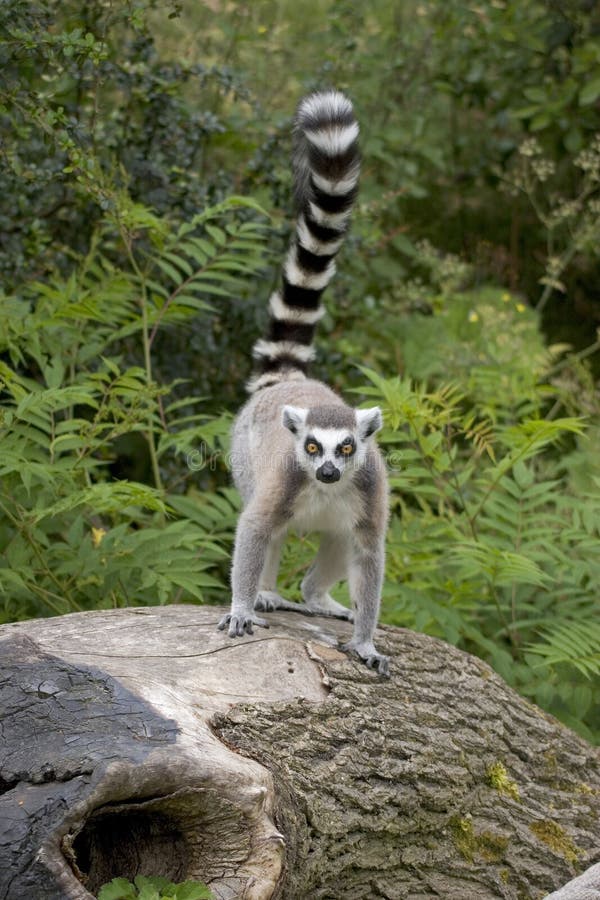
x,y
369,421
293,417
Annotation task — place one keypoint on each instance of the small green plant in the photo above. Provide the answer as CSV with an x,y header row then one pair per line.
x,y
153,888
498,779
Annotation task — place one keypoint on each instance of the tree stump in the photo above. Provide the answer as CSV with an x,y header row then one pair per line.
x,y
144,741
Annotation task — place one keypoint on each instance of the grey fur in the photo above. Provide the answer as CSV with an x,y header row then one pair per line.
x,y
280,476
337,416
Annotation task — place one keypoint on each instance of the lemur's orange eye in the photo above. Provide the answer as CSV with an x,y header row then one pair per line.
x,y
347,449
311,448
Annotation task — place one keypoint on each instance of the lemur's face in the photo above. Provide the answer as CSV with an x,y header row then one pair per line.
x,y
331,441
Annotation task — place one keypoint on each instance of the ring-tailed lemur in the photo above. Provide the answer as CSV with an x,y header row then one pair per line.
x,y
301,458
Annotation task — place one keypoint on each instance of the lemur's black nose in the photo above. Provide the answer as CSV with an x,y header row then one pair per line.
x,y
328,472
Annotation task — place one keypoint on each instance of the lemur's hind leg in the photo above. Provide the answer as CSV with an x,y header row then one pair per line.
x,y
329,567
268,598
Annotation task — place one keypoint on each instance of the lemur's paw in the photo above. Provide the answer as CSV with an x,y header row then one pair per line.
x,y
370,656
342,613
268,601
327,606
240,625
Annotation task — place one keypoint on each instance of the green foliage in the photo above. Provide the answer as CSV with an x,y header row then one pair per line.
x,y
489,546
87,95
449,91
74,536
153,888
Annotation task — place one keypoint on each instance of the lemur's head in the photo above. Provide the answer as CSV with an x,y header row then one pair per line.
x,y
331,440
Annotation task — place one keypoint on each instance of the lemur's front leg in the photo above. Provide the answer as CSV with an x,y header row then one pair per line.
x,y
365,578
252,538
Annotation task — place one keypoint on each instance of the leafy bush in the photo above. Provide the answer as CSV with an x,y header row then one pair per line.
x,y
491,545
153,888
86,93
75,537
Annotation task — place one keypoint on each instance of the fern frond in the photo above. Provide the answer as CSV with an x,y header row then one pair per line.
x,y
502,567
574,643
482,434
528,437
103,498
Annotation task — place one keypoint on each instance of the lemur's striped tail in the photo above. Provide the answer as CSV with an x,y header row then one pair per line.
x,y
326,172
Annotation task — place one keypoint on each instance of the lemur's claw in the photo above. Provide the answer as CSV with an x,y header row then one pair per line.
x,y
380,663
240,625
370,656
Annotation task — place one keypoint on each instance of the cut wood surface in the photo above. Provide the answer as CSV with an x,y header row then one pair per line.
x,y
144,741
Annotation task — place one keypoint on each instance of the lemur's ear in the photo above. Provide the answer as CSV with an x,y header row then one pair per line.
x,y
369,421
293,418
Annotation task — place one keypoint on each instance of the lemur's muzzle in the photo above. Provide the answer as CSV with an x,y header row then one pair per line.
x,y
328,472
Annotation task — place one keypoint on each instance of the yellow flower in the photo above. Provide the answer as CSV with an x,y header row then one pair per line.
x,y
505,297
521,307
473,316
262,29
97,535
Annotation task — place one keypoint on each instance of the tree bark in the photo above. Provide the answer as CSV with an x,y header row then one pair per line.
x,y
144,741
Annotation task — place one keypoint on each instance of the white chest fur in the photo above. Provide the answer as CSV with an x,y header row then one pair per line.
x,y
327,507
